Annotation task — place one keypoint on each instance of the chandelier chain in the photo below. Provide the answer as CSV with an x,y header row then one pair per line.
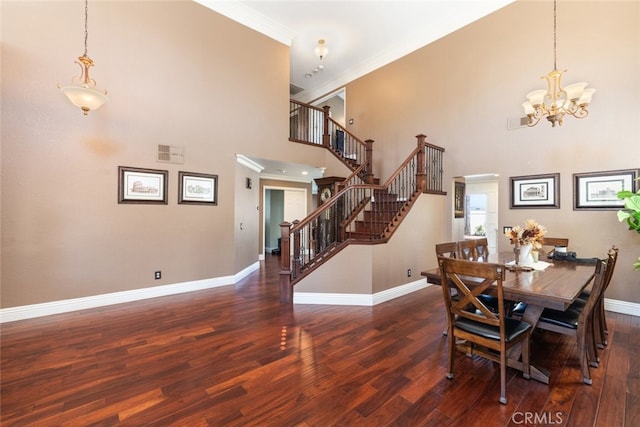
x,y
86,28
555,66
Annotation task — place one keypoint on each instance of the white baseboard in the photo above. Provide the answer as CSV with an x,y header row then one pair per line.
x,y
616,306
358,299
12,314
622,307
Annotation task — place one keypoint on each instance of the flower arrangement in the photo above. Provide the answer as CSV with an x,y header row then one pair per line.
x,y
532,232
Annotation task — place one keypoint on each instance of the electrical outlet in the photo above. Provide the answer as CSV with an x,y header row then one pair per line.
x,y
158,275
409,273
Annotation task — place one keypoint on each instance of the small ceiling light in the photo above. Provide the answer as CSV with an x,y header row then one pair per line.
x,y
555,102
321,50
82,91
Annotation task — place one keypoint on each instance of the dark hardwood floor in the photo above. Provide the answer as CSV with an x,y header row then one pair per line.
x,y
233,356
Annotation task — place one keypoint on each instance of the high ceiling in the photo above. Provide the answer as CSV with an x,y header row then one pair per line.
x,y
360,35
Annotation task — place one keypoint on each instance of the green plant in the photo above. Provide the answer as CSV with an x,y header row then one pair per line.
x,y
631,213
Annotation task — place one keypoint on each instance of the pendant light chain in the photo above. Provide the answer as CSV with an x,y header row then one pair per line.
x,y
86,28
555,67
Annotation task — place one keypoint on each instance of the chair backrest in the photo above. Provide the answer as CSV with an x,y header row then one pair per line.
x,y
467,250
482,248
471,279
449,249
599,284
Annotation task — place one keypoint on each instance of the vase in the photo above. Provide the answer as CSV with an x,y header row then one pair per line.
x,y
525,258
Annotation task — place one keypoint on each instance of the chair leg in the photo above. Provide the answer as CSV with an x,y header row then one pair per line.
x,y
452,349
582,353
590,341
503,375
526,348
603,323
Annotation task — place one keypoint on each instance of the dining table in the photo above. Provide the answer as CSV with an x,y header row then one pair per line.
x,y
548,283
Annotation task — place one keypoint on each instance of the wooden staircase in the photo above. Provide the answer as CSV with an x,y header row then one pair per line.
x,y
362,211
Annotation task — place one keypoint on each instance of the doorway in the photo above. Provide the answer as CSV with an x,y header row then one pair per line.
x,y
481,209
281,204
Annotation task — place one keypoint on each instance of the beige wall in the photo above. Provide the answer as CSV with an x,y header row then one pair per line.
x,y
178,74
462,89
369,269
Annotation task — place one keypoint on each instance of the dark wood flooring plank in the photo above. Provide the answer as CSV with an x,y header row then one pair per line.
x,y
234,356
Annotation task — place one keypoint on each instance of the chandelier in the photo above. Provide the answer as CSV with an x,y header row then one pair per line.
x,y
320,51
82,91
555,102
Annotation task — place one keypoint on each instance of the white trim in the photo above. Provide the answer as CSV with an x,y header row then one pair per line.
x,y
12,314
622,307
251,18
615,306
358,299
245,161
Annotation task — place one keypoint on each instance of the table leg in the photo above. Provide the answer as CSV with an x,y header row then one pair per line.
x,y
531,315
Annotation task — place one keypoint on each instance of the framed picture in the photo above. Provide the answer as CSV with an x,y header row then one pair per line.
x,y
535,191
458,203
599,190
136,185
197,188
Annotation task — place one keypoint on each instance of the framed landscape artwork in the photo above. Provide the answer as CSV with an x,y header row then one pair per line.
x,y
137,185
535,191
197,188
599,190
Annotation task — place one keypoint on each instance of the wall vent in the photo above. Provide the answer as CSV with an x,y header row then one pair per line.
x,y
516,122
171,154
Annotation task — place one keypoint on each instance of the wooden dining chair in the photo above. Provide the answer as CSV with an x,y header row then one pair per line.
x,y
449,250
480,325
550,243
578,319
600,321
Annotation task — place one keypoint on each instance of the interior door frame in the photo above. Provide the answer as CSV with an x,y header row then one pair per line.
x,y
262,254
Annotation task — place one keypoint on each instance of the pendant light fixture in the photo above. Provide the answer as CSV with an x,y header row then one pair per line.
x,y
555,102
82,91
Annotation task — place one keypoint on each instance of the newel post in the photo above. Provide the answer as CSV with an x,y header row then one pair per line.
x,y
326,137
421,171
286,290
368,150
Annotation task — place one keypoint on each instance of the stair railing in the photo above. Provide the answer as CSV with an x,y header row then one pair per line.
x,y
358,213
313,125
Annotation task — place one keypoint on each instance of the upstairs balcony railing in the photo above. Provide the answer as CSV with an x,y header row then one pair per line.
x,y
314,126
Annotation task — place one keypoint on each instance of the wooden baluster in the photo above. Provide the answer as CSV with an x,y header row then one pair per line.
x,y
368,174
286,289
326,136
421,172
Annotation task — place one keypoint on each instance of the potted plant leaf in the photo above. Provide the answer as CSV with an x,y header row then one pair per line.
x,y
631,213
